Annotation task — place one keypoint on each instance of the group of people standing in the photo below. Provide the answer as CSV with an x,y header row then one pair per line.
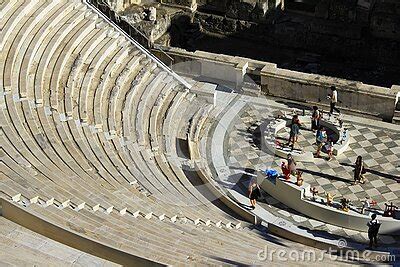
x,y
321,140
321,137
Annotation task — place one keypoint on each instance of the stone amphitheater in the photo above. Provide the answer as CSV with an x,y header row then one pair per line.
x,y
108,157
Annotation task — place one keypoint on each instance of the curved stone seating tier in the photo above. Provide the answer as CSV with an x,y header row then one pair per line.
x,y
173,159
107,227
149,160
86,123
34,249
178,181
104,228
167,166
156,157
299,198
271,128
118,95
89,143
62,190
71,205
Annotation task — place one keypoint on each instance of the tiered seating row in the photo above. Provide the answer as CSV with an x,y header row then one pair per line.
x,y
89,128
121,230
34,249
126,211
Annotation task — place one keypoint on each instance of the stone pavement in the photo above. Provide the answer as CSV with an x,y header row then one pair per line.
x,y
378,146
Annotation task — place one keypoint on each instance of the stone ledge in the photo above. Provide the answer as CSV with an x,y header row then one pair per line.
x,y
68,237
295,197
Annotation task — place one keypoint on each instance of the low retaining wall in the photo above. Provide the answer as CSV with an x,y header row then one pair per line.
x,y
294,197
356,96
297,86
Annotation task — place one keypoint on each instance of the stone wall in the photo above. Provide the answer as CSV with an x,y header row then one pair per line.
x,y
301,87
152,30
373,60
354,96
380,17
192,4
131,19
237,9
121,5
385,20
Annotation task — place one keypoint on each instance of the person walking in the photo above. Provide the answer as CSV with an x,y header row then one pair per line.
x,y
329,149
254,193
315,119
294,131
359,171
366,206
291,164
333,96
320,139
373,230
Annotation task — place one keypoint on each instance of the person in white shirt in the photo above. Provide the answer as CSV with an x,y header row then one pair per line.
x,y
366,206
334,99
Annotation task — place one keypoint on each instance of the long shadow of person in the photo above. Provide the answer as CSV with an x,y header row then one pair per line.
x,y
378,173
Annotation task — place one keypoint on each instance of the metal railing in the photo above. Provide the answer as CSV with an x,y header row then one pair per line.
x,y
100,8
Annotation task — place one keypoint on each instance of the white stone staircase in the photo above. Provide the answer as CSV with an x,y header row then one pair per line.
x,y
125,211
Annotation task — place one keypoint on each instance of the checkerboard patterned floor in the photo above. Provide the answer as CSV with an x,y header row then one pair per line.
x,y
380,149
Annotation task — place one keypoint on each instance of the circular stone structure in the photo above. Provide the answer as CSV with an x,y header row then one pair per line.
x,y
271,131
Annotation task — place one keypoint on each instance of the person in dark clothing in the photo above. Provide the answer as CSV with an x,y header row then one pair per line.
x,y
294,131
315,119
254,193
373,229
359,171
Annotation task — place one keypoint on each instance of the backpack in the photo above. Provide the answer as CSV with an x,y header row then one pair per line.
x,y
271,173
320,137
